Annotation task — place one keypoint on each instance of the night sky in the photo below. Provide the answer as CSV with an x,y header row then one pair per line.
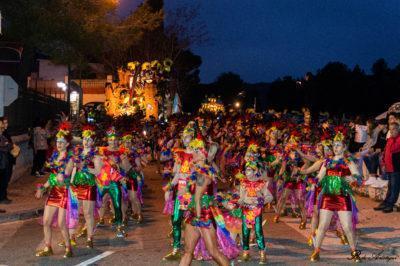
x,y
262,40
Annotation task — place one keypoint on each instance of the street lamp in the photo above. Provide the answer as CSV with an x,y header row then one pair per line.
x,y
237,104
62,86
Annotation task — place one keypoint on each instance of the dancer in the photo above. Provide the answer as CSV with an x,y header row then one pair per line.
x,y
83,183
292,180
59,199
113,164
200,220
254,194
181,188
133,177
336,176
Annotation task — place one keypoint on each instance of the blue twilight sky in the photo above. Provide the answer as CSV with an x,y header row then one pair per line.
x,y
262,40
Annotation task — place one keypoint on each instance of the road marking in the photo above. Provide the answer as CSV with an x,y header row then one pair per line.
x,y
94,259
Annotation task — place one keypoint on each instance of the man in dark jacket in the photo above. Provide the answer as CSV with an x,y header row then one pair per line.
x,y
5,148
391,166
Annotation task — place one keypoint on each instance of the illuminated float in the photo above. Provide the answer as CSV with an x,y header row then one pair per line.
x,y
137,88
212,105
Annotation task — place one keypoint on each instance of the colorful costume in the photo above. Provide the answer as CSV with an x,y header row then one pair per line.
x,y
108,180
84,183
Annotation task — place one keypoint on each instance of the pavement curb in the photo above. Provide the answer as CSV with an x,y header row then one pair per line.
x,y
20,216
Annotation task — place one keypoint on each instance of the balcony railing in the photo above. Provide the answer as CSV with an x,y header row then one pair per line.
x,y
50,88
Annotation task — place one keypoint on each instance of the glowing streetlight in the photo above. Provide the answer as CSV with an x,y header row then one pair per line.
x,y
62,86
237,104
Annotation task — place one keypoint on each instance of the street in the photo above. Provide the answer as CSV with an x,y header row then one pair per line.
x,y
147,243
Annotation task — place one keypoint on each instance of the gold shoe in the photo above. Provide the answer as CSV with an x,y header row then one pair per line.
x,y
276,219
302,225
68,253
101,222
174,255
245,256
121,232
344,240
310,242
315,256
89,243
263,258
47,251
140,218
82,233
125,223
72,241
355,256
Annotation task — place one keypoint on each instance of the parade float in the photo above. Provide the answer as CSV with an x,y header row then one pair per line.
x,y
138,88
212,105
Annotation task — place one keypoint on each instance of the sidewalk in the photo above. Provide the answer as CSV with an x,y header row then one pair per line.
x,y
24,205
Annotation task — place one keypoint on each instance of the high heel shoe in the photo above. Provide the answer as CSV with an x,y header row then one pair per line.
x,y
89,243
310,241
355,256
245,256
82,233
263,258
68,253
315,256
140,218
45,252
302,225
174,255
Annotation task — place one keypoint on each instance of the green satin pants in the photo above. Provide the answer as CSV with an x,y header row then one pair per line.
x,y
116,196
259,233
176,219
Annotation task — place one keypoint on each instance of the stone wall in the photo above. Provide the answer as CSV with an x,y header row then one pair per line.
x,y
24,160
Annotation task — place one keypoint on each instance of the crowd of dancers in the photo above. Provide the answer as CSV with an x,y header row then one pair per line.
x,y
219,176
88,179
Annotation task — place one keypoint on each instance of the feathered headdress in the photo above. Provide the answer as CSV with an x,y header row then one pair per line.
x,y
326,139
88,131
111,132
127,136
253,147
197,143
64,131
341,133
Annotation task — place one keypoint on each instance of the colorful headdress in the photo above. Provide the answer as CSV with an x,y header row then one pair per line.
x,y
88,131
64,131
341,133
253,148
111,133
197,143
252,164
127,136
189,129
326,139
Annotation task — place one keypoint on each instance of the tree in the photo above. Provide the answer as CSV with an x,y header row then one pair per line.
x,y
74,32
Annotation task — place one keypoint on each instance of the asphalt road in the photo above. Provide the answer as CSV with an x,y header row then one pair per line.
x,y
147,243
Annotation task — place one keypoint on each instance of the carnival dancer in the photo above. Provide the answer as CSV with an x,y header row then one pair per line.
x,y
59,201
83,181
200,220
254,195
225,237
336,176
133,177
113,164
179,191
273,157
292,180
